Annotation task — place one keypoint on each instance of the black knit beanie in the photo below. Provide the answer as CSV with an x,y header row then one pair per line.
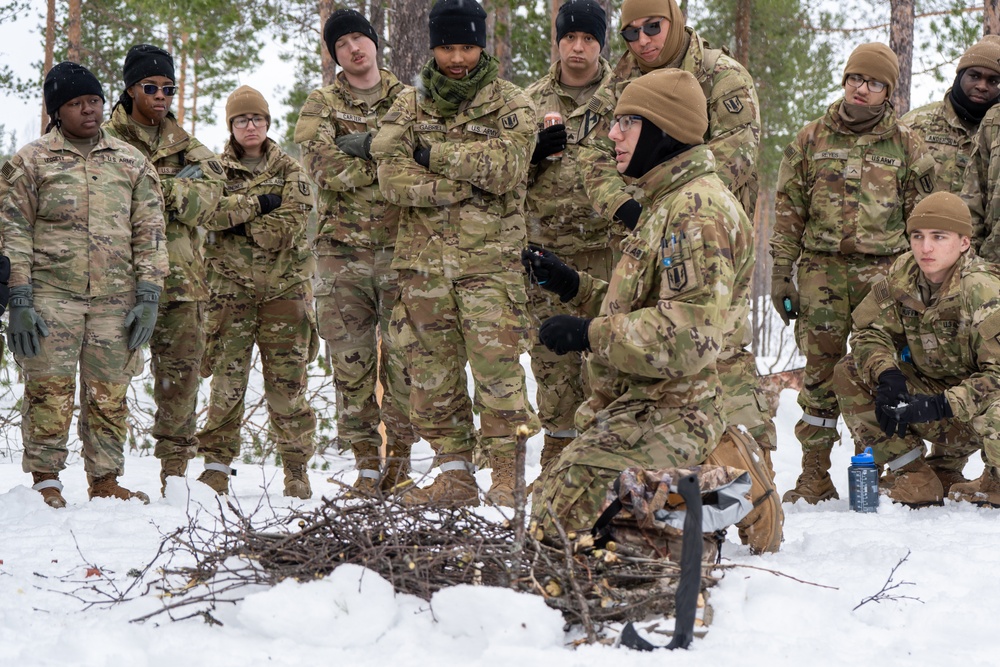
x,y
67,81
582,16
457,22
144,60
344,22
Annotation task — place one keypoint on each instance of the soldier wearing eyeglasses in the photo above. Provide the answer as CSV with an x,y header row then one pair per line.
x,y
846,186
192,179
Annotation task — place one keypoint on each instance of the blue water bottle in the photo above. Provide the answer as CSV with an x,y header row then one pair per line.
x,y
862,478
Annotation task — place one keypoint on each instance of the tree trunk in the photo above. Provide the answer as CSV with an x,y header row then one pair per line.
x,y
554,11
182,79
73,32
376,16
991,17
50,41
498,35
742,52
408,37
901,42
194,91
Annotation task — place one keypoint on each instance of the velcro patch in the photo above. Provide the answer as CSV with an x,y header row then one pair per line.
x,y
9,171
733,105
831,155
926,183
790,152
884,159
941,139
882,294
429,127
483,129
510,121
304,188
216,166
391,117
354,118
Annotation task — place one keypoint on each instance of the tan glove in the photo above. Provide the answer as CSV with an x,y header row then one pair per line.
x,y
784,295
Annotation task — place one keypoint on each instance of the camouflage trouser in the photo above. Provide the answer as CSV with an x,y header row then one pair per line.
x,y
561,381
953,440
284,333
89,331
443,324
831,285
637,433
176,350
356,291
744,402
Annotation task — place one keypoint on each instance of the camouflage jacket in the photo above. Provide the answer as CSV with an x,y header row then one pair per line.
x,y
954,343
465,214
947,139
189,203
351,208
91,226
843,192
980,190
663,318
274,255
558,211
733,125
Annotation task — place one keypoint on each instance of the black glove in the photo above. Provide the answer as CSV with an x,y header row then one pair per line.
x,y
918,409
4,277
238,230
548,271
268,203
890,392
628,214
550,140
422,155
565,333
358,144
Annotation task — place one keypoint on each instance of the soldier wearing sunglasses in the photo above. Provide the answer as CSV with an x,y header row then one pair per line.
x,y
192,179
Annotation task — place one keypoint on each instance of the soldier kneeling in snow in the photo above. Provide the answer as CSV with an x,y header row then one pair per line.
x,y
926,363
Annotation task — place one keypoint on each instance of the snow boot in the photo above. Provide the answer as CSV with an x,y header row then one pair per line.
x,y
48,484
763,527
814,484
216,476
501,491
910,481
455,485
949,478
172,467
396,476
107,487
984,491
297,481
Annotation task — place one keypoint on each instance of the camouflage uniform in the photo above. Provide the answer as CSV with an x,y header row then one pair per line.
x,y
980,191
178,341
954,347
461,232
82,232
561,219
841,207
260,268
948,139
655,400
356,287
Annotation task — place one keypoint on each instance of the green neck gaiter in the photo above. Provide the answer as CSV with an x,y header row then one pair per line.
x,y
448,94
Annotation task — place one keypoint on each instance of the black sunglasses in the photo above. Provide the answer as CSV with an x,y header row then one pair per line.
x,y
631,34
151,88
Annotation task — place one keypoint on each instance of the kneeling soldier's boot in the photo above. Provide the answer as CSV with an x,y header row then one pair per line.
x,y
455,485
297,481
48,484
396,476
551,450
502,489
910,481
107,487
814,484
983,491
172,467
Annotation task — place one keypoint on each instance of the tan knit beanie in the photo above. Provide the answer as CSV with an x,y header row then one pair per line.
x,y
941,210
246,100
640,9
874,61
985,53
672,99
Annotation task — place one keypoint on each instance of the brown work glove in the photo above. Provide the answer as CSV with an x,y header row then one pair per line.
x,y
784,294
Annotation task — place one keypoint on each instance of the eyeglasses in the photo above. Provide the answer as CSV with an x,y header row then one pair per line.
x,y
242,121
631,34
625,123
151,88
856,81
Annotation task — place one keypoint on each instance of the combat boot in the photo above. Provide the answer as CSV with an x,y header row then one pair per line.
x,y
48,484
396,477
297,481
814,484
984,491
455,485
501,491
172,467
216,475
108,487
763,528
913,483
367,483
551,450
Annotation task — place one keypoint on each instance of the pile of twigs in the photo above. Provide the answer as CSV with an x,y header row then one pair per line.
x,y
417,551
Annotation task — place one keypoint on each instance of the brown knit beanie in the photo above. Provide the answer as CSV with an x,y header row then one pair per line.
x,y
639,9
985,53
874,61
941,210
672,99
246,100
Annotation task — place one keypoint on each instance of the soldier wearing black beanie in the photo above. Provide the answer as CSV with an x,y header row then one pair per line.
x,y
344,22
582,16
67,81
142,61
457,22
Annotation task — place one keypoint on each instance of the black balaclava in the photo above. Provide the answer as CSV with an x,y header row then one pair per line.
x,y
654,147
967,110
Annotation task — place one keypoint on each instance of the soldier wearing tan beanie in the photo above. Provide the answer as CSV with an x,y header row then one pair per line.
x,y
874,61
941,210
246,100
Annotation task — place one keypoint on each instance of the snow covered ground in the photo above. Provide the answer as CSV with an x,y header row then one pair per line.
x,y
352,617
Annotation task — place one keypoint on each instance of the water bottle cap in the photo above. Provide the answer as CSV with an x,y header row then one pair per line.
x,y
865,458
